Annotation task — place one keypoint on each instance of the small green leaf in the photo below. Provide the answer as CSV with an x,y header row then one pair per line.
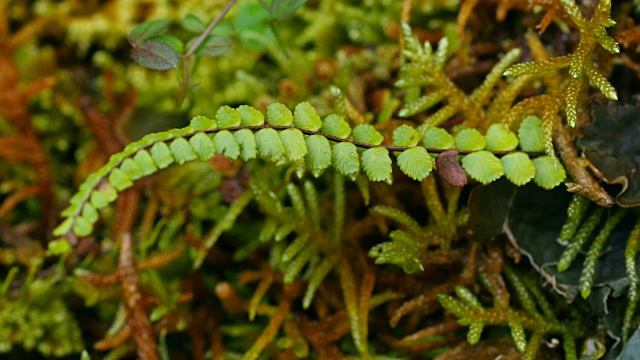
x,y
58,247
345,158
182,151
377,164
531,135
108,191
161,155
228,117
405,135
214,45
367,134
64,227
281,9
438,138
518,168
279,115
547,176
90,213
145,161
305,117
146,30
501,138
335,125
82,227
132,169
247,142
269,144
296,147
416,163
119,179
250,116
470,140
226,144
155,55
483,166
202,146
98,200
200,122
319,152
193,24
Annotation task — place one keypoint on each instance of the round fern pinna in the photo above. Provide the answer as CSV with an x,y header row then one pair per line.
x,y
302,136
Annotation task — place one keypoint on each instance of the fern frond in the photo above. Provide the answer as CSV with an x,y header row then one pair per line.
x,y
288,137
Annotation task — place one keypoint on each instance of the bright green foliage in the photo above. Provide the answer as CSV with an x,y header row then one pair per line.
x,y
518,168
228,117
345,158
247,143
243,134
131,169
438,138
269,144
200,122
279,115
335,125
319,154
483,166
249,116
501,138
161,155
296,147
470,140
377,164
120,180
548,175
182,151
416,163
367,134
305,117
405,135
226,144
531,135
203,146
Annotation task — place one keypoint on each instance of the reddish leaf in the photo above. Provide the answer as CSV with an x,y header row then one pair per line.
x,y
155,55
450,170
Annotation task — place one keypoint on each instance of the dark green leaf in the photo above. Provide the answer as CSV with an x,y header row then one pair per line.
x,y
281,9
146,30
488,210
214,45
155,55
193,24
